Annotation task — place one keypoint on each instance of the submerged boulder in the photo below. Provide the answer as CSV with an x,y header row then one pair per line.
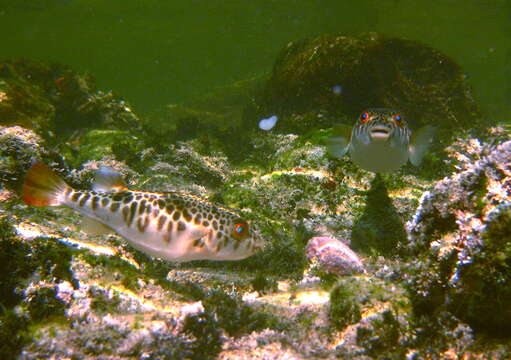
x,y
329,79
51,98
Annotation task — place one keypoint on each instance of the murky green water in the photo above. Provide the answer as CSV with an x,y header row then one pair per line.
x,y
156,52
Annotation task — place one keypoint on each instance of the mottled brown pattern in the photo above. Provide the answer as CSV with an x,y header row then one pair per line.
x,y
125,213
132,212
141,208
95,202
84,199
76,196
142,223
114,207
181,226
161,221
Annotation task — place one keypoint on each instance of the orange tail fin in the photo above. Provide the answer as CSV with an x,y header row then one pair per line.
x,y
42,186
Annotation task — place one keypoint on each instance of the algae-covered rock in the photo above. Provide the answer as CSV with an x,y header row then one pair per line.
x,y
461,237
51,98
330,79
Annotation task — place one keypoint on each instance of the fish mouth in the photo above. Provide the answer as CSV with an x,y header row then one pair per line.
x,y
380,132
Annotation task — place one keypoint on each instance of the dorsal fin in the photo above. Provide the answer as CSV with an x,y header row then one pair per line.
x,y
107,179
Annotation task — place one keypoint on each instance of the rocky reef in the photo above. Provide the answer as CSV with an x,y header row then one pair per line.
x,y
356,265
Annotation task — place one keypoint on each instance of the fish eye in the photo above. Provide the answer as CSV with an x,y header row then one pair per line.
x,y
240,230
364,117
398,119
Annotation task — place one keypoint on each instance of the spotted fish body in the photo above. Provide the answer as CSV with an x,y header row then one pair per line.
x,y
171,226
381,141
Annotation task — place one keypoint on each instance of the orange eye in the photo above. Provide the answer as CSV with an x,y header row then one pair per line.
x,y
398,120
240,230
364,117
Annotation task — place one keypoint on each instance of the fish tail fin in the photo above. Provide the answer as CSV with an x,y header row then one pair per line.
x,y
42,186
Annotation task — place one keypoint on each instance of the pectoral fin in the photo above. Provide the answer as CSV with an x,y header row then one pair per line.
x,y
420,143
338,145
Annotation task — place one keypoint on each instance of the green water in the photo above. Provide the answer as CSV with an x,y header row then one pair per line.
x,y
157,52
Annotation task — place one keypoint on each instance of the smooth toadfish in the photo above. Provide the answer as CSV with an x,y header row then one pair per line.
x,y
381,141
170,226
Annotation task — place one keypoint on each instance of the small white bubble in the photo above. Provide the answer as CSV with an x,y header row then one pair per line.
x,y
268,123
337,89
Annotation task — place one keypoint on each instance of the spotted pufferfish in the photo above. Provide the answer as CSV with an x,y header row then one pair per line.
x,y
381,141
171,226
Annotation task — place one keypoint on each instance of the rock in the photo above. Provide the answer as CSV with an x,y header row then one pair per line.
x,y
51,98
19,147
461,237
330,79
333,256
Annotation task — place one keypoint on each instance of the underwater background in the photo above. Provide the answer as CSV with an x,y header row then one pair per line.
x,y
226,120
155,53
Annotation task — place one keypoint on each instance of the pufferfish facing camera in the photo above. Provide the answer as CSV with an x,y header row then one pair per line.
x,y
380,141
171,226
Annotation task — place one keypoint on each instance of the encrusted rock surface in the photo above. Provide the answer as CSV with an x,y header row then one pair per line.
x,y
462,235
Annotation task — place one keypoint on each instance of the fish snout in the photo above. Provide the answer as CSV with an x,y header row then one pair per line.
x,y
380,132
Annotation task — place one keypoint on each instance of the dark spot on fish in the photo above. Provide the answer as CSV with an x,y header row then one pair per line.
x,y
141,209
125,213
114,207
119,196
181,226
196,243
187,215
95,202
215,225
222,221
176,216
142,224
210,217
133,211
166,238
84,199
170,226
198,219
161,221
170,209
76,196
104,202
138,197
222,228
219,235
127,199
205,223
161,204
193,210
